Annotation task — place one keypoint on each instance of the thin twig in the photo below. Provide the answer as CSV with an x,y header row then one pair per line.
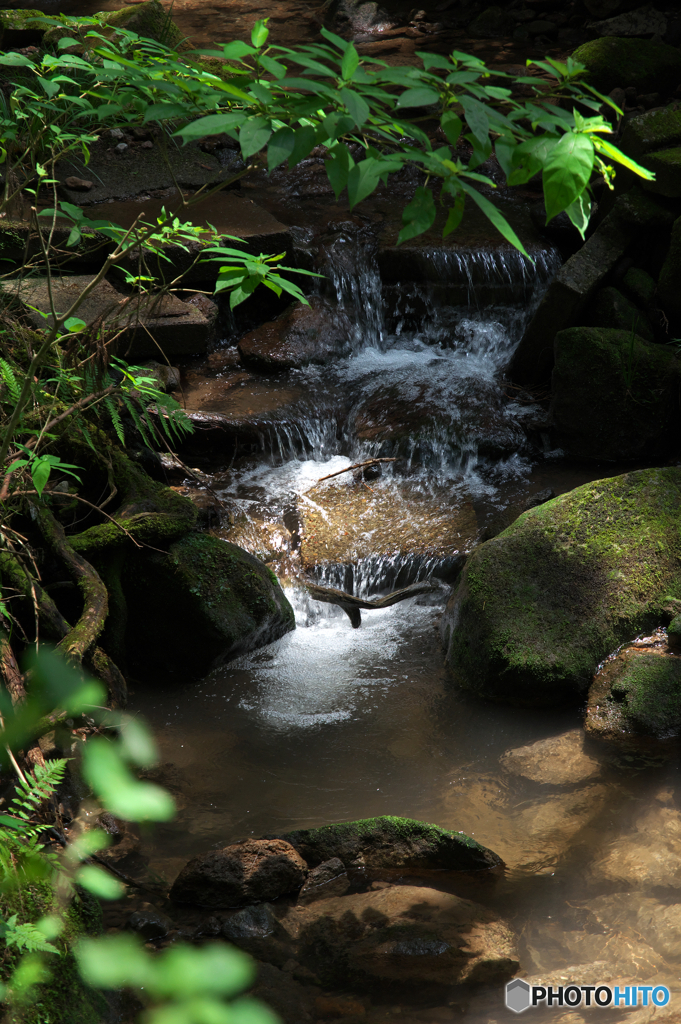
x,y
358,465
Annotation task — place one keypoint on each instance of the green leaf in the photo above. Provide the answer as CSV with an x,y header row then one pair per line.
x,y
337,124
74,326
99,883
621,158
214,124
566,172
234,50
338,167
253,136
358,107
273,66
120,792
418,215
496,218
504,149
114,961
476,118
184,971
350,63
454,216
421,96
579,212
451,125
136,742
336,40
529,158
40,472
305,139
260,32
280,147
362,180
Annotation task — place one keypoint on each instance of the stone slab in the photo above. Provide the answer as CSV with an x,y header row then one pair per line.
x,y
175,327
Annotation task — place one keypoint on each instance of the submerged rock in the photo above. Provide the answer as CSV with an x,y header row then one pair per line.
x,y
538,607
635,698
647,858
640,63
250,872
406,934
205,590
615,395
658,923
300,335
392,842
556,761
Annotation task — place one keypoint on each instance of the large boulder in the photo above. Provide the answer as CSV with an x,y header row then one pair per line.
x,y
250,872
202,603
404,934
614,61
615,396
610,308
635,698
656,129
302,334
538,607
390,842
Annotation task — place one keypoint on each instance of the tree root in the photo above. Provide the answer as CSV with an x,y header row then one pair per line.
x,y
14,682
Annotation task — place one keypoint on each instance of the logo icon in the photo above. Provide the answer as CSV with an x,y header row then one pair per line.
x,y
518,995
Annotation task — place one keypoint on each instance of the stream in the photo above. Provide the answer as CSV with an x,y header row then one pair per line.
x,y
332,723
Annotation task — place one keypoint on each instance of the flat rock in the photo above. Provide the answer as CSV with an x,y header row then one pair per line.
x,y
556,761
406,934
345,523
249,872
177,327
514,626
394,842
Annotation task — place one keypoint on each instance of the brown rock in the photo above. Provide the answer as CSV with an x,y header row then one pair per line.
x,y
78,184
299,336
248,872
404,933
333,1007
556,761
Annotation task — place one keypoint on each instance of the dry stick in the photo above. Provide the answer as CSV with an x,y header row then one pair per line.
x,y
358,465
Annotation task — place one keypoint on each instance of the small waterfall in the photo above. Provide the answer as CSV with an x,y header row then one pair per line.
x,y
381,574
310,437
353,278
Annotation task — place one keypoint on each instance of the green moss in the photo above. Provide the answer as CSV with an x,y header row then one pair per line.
x,y
649,693
614,395
656,129
666,165
538,607
613,310
391,841
646,65
639,286
64,999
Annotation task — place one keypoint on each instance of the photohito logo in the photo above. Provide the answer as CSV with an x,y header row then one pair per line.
x,y
520,996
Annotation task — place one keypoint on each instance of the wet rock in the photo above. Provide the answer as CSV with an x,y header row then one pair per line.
x,y
619,949
357,16
641,63
639,286
167,322
491,23
251,923
615,396
166,378
514,627
279,990
249,872
78,184
301,335
611,309
405,934
342,524
658,923
207,589
635,698
644,21
147,19
150,923
327,879
647,858
666,165
391,842
556,761
638,210
566,297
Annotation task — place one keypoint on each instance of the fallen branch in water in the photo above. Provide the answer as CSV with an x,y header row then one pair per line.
x,y
358,465
351,605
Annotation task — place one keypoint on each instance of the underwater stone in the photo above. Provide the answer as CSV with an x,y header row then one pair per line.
x,y
538,607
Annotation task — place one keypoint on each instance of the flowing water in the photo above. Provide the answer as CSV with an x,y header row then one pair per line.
x,y
333,723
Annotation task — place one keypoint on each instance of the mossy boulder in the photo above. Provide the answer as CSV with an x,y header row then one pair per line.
x,y
20,28
199,605
64,998
147,19
538,607
391,842
610,308
635,699
666,165
656,129
615,61
615,396
674,634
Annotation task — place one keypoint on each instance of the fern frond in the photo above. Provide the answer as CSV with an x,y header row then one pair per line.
x,y
33,791
115,419
10,381
130,406
26,937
